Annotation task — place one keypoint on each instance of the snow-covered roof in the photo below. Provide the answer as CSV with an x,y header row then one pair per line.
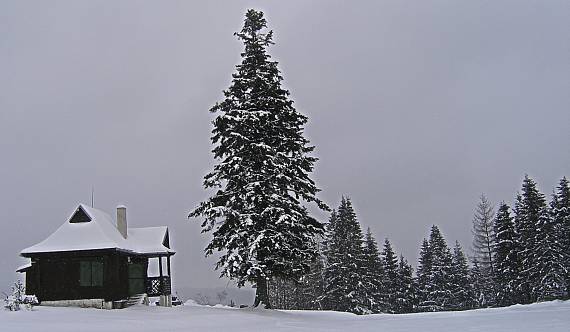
x,y
100,233
24,267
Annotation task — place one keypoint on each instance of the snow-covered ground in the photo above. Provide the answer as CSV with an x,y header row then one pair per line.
x,y
551,317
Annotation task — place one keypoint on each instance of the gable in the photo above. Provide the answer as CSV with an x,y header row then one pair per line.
x,y
166,241
79,216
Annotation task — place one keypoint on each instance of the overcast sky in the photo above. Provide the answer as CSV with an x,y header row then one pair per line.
x,y
415,108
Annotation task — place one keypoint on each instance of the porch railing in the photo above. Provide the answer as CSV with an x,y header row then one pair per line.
x,y
156,286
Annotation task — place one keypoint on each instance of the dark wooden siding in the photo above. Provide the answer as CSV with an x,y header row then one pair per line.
x,y
56,276
32,278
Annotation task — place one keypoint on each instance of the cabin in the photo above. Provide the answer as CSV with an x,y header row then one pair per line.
x,y
90,261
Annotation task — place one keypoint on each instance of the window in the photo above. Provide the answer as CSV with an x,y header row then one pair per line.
x,y
79,216
90,273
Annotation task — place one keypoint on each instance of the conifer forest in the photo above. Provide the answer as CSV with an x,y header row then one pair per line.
x,y
266,236
525,259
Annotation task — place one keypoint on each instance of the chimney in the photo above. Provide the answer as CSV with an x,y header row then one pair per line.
x,y
122,220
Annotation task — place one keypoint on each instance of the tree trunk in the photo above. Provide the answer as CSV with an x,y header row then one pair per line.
x,y
261,294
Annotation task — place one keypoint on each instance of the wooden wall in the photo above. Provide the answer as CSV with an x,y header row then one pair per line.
x,y
55,276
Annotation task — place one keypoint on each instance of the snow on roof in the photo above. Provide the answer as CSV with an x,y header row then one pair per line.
x,y
24,267
101,233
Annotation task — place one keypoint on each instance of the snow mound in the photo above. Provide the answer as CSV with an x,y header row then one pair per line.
x,y
192,303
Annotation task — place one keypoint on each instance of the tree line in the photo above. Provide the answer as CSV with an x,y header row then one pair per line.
x,y
521,254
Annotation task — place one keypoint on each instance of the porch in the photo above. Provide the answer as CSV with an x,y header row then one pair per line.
x,y
161,285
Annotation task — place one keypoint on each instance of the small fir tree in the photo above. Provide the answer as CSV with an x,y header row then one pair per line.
x,y
550,258
477,283
405,288
14,301
560,212
434,273
423,277
375,276
461,289
345,272
506,259
390,277
440,283
530,209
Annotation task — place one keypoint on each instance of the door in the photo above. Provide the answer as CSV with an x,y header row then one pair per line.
x,y
137,278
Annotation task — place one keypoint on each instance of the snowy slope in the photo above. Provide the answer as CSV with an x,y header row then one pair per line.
x,y
551,317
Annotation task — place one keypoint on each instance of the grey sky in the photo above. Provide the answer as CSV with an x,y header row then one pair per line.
x,y
415,107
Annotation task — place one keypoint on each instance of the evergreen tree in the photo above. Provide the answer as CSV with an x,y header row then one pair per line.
x,y
477,284
390,277
530,210
423,277
330,232
374,269
560,211
439,285
345,272
434,273
405,288
549,255
506,259
461,290
256,215
483,244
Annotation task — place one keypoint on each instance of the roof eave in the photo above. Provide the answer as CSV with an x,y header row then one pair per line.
x,y
121,250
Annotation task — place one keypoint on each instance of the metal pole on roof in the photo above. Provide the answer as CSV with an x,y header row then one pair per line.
x,y
92,196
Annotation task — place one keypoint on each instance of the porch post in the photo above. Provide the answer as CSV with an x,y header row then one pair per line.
x,y
165,301
168,266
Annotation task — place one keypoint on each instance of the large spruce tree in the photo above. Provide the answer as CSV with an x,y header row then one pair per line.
x,y
261,179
